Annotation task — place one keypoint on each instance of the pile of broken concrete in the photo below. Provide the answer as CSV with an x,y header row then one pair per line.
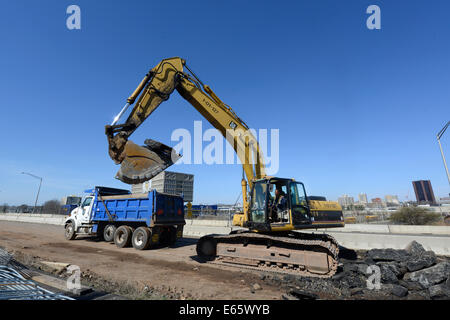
x,y
412,271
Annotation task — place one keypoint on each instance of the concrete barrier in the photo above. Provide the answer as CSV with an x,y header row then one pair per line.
x,y
366,241
208,223
393,229
55,219
396,229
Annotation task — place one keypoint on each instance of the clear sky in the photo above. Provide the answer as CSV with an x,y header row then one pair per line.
x,y
358,110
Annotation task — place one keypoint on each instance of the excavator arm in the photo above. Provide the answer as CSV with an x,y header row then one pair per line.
x,y
139,164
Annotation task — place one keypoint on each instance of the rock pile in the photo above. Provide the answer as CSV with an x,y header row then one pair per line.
x,y
412,270
410,273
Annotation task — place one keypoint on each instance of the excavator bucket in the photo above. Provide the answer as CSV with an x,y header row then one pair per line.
x,y
142,163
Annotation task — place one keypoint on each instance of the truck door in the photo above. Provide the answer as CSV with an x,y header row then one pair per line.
x,y
86,208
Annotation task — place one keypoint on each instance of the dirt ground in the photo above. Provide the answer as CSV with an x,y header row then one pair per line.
x,y
174,273
166,273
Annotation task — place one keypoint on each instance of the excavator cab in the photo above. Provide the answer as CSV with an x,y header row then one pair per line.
x,y
278,204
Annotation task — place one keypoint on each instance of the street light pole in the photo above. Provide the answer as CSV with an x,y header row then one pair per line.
x,y
39,189
439,135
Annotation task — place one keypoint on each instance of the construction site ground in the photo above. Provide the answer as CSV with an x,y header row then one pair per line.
x,y
169,272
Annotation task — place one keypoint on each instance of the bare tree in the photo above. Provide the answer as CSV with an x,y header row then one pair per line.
x,y
51,206
4,208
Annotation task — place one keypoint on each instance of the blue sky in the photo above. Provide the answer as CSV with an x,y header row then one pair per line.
x,y
358,110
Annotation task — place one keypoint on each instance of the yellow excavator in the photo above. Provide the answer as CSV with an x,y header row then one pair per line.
x,y
274,209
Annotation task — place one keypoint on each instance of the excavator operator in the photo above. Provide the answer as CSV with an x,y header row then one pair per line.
x,y
277,203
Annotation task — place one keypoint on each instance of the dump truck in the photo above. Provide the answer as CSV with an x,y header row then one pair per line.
x,y
142,220
69,203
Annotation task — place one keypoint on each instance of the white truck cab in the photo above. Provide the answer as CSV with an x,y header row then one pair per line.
x,y
81,214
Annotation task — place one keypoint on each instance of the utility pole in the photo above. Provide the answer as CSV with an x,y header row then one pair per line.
x,y
40,183
439,135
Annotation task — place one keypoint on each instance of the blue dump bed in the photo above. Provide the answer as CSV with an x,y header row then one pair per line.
x,y
151,208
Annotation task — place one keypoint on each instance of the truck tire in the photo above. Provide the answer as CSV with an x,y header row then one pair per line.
x,y
122,236
69,231
108,232
141,239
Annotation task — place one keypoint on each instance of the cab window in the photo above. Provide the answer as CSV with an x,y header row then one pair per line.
x,y
298,195
258,204
87,202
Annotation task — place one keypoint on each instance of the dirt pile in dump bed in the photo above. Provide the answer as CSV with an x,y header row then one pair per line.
x,y
411,273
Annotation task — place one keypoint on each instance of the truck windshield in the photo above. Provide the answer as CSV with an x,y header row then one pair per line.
x,y
87,202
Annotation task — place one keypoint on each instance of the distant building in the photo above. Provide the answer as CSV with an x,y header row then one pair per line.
x,y
377,203
175,183
345,200
391,199
424,191
362,198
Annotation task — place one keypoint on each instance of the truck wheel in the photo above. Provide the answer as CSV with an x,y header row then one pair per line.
x,y
108,232
141,238
122,236
69,231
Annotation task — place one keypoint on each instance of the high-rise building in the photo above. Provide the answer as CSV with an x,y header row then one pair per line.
x,y
362,197
424,191
345,200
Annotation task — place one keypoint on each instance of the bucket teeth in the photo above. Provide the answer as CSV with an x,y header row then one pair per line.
x,y
142,163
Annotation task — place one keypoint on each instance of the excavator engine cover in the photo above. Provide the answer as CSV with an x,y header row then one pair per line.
x,y
142,163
